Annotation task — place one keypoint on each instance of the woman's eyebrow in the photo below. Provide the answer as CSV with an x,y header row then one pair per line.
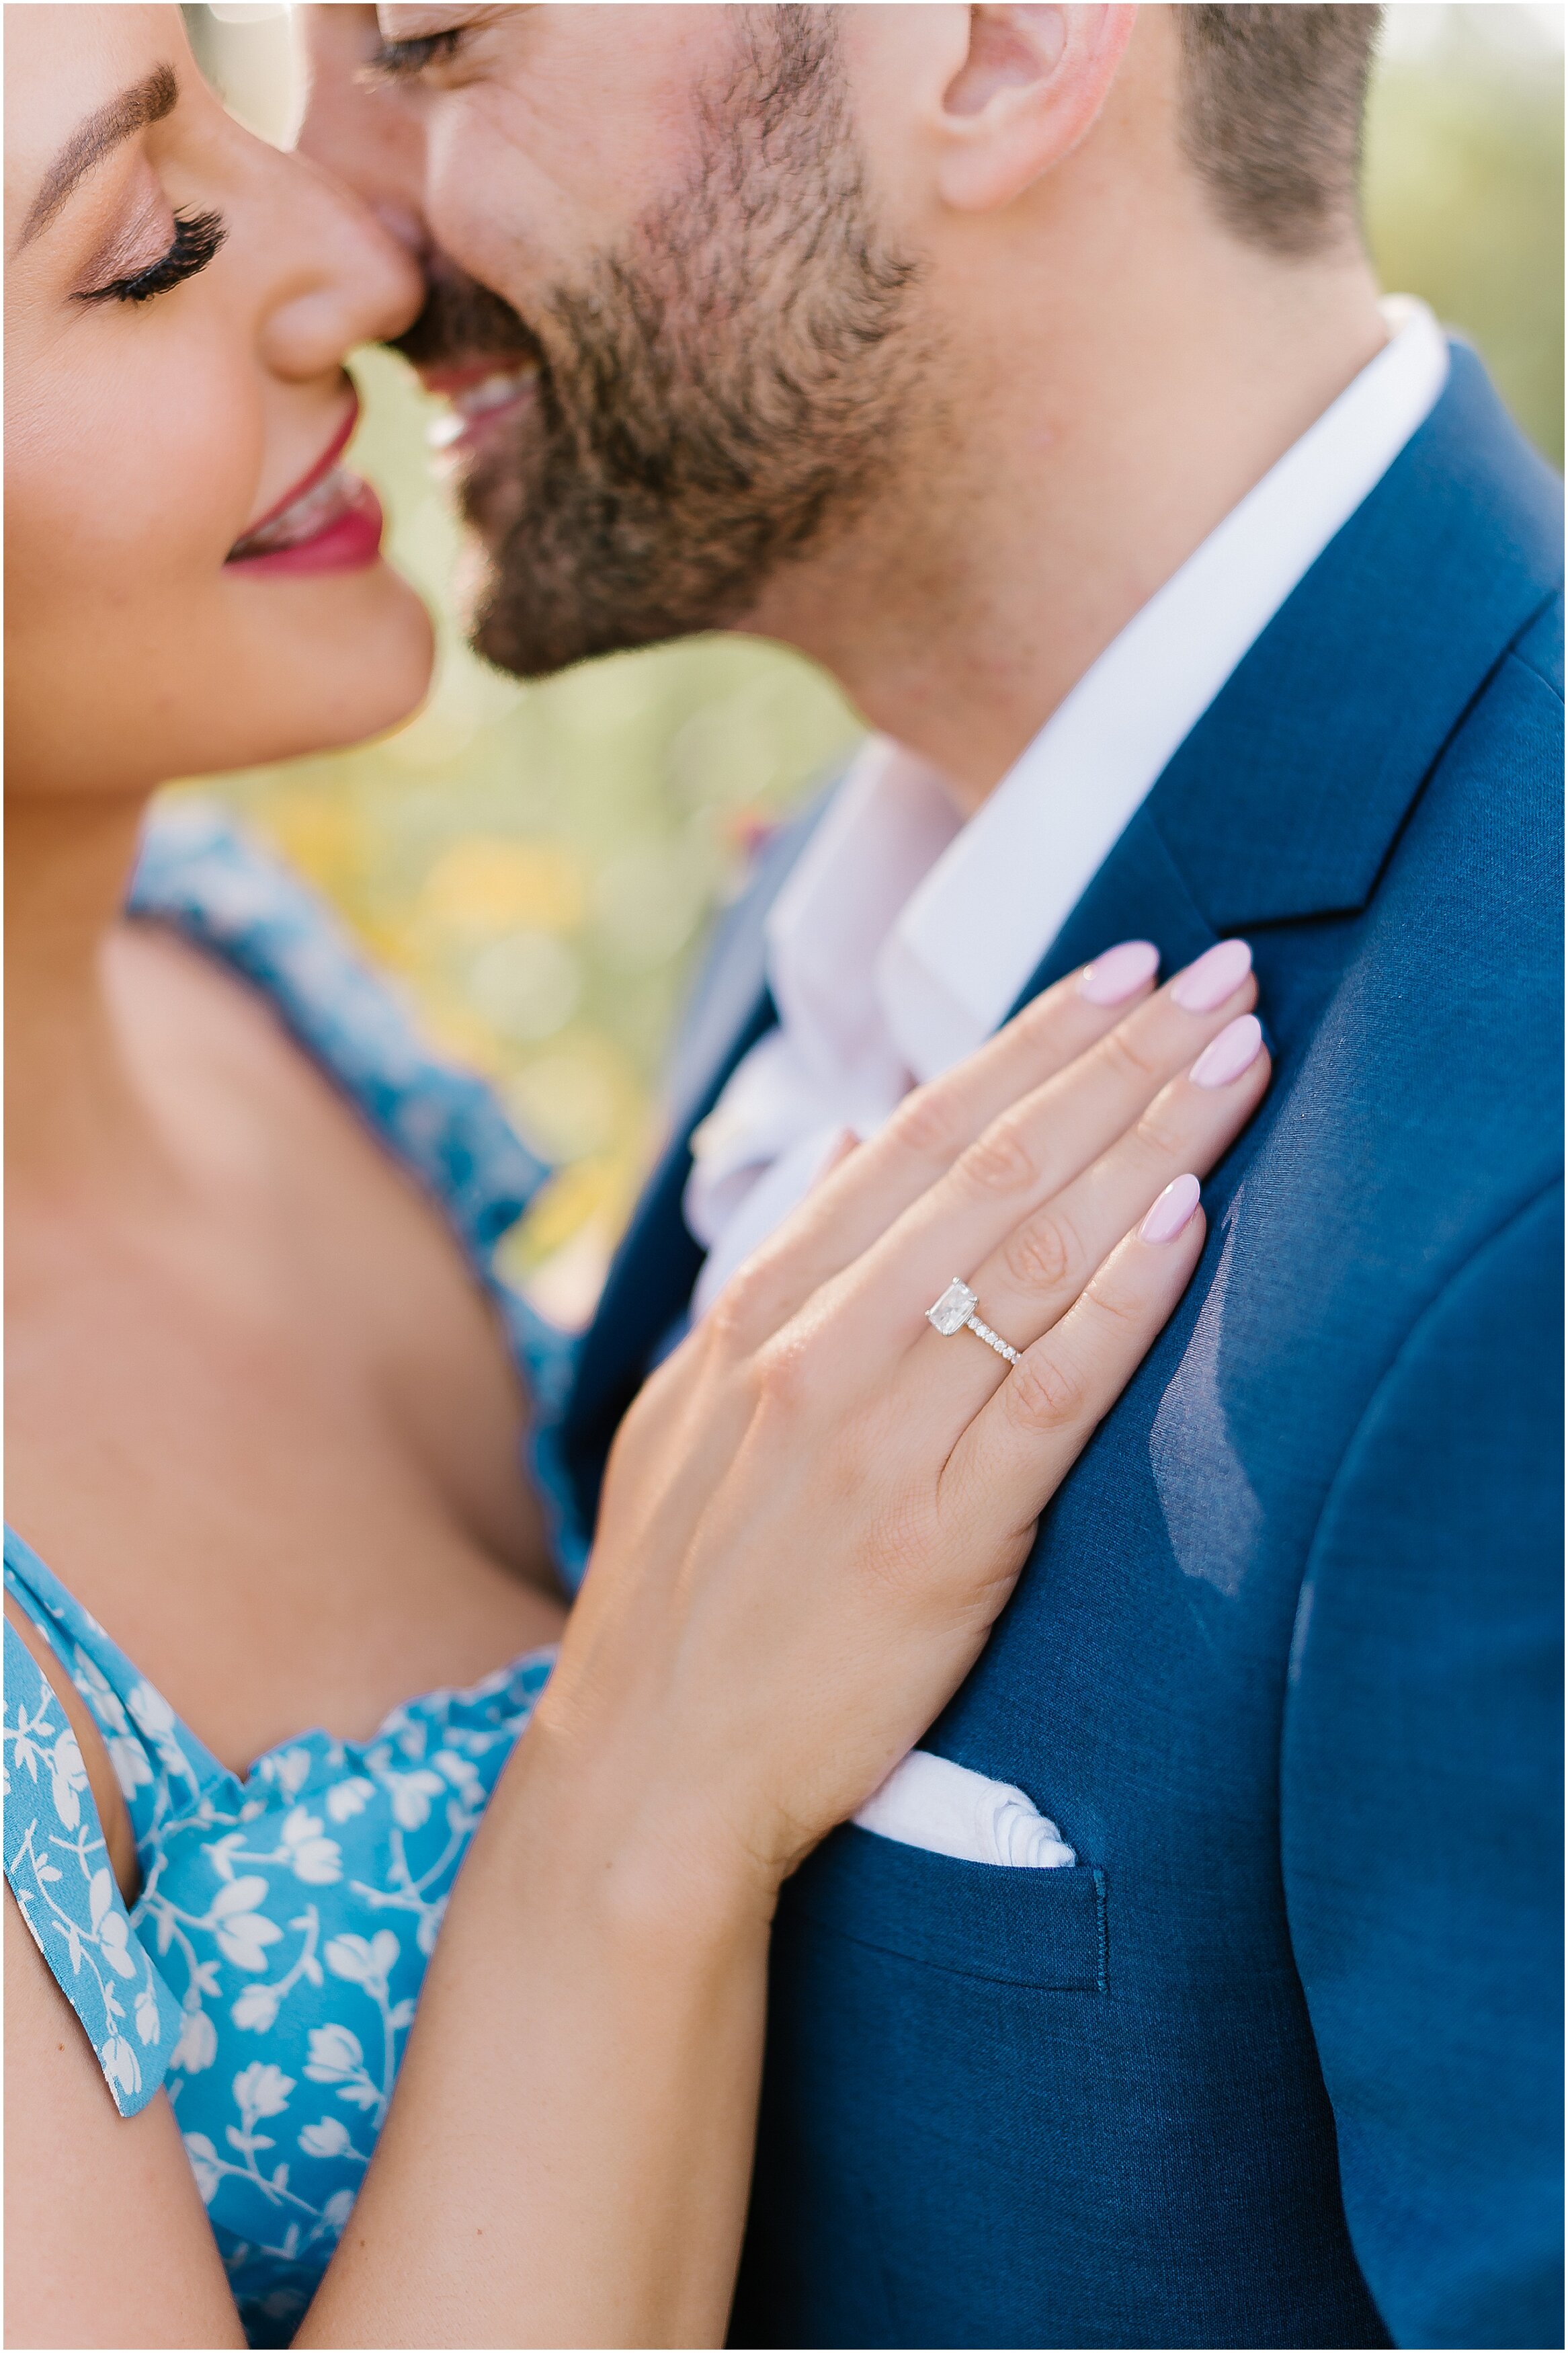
x,y
146,101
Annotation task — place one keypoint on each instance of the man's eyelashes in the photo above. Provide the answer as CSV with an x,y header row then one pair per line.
x,y
198,237
402,60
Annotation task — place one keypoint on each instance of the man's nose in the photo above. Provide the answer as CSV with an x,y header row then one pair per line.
x,y
404,224
370,137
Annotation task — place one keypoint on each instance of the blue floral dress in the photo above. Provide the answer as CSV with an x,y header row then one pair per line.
x,y
268,1973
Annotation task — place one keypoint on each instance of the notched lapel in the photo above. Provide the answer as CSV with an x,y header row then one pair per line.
x,y
1287,798
1282,804
1139,893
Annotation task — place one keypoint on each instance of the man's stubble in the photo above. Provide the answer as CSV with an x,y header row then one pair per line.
x,y
724,396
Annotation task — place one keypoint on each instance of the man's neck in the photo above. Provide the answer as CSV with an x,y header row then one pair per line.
x,y
1099,463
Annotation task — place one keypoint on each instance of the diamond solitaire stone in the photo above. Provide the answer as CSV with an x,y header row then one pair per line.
x,y
954,1309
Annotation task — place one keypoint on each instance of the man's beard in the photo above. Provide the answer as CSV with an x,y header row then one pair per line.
x,y
715,400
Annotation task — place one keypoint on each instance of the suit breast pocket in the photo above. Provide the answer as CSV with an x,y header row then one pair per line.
x,y
1041,1928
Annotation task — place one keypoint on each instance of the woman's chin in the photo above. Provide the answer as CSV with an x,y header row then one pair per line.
x,y
290,671
357,668
400,681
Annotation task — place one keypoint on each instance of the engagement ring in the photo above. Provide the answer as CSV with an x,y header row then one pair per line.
x,y
954,1311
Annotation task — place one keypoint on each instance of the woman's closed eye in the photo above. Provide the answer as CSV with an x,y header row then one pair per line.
x,y
197,238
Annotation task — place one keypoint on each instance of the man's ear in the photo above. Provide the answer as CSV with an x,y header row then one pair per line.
x,y
1031,84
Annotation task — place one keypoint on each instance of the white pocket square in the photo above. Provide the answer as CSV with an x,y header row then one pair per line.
x,y
927,1801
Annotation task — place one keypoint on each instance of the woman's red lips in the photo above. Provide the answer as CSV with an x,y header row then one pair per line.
x,y
345,541
323,465
330,521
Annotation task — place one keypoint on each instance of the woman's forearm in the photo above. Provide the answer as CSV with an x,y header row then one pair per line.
x,y
809,1525
567,2156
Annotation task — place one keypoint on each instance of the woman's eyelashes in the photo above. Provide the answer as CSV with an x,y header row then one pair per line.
x,y
198,237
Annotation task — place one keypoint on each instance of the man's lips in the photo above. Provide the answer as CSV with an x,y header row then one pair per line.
x,y
480,393
330,521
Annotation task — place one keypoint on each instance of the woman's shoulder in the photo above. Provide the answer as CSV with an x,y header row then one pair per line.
x,y
225,891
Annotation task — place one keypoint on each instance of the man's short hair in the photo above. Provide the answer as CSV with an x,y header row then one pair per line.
x,y
1271,119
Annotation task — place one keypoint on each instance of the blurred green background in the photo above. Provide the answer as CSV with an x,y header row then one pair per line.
x,y
535,865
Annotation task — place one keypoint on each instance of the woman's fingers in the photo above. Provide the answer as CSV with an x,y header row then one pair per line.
x,y
694,1414
1032,1280
858,1195
1014,1456
994,1132
1039,1145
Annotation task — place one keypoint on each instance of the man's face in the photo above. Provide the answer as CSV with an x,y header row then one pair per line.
x,y
681,350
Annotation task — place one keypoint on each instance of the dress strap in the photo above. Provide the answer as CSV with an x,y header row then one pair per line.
x,y
57,1865
199,871
161,1767
231,896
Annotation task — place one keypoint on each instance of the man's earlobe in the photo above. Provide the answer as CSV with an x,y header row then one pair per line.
x,y
1030,85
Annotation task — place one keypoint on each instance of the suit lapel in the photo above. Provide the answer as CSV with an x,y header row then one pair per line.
x,y
733,978
1288,796
1283,803
653,1271
1139,894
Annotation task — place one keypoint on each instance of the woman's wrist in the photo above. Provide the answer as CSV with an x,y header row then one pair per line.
x,y
611,1824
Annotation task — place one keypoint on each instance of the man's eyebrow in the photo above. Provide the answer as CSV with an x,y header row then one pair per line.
x,y
146,101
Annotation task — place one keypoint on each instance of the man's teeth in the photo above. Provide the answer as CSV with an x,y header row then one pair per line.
x,y
493,391
476,400
309,514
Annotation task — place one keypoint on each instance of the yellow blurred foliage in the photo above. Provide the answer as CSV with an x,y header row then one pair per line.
x,y
488,884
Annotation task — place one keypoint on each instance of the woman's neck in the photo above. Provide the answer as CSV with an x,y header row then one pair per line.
x,y
76,1122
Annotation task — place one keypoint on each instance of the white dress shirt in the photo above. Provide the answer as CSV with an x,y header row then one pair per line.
x,y
904,936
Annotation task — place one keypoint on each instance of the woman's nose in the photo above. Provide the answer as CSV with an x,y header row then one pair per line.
x,y
361,282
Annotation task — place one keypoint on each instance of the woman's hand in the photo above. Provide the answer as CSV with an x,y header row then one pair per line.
x,y
818,1505
812,1518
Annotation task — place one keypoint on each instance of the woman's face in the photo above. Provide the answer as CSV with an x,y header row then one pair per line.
x,y
179,299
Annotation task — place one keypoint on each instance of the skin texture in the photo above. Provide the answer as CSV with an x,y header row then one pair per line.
x,y
716,399
236,1332
263,1425
1105,367
233,396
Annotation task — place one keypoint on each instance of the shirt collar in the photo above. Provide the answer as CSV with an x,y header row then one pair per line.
x,y
904,937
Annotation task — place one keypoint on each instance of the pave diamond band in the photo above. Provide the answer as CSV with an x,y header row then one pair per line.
x,y
992,1339
954,1311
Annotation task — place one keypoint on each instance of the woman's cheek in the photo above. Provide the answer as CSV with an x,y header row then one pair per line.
x,y
119,515
145,494
134,445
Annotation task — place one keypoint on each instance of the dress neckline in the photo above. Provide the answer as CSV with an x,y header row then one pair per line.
x,y
301,1761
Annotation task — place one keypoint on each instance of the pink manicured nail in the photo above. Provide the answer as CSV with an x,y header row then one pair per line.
x,y
1116,975
1217,974
1226,1057
1172,1211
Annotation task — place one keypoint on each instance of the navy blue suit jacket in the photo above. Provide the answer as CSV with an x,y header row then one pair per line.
x,y
1276,2065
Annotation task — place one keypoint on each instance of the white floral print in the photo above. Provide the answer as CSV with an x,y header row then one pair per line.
x,y
58,1866
349,1798
293,1913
